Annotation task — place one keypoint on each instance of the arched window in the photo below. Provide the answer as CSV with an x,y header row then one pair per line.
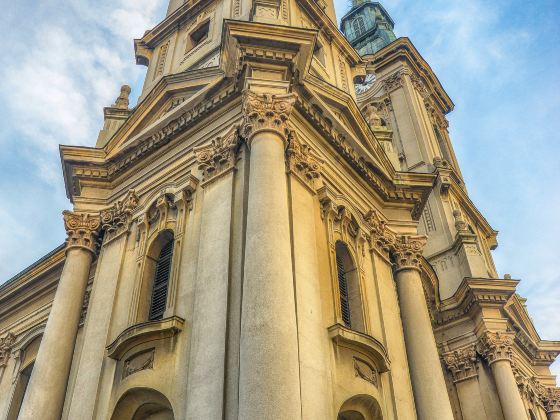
x,y
161,281
26,367
349,289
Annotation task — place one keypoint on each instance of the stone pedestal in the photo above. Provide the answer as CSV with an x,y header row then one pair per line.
x,y
497,348
430,393
45,394
269,371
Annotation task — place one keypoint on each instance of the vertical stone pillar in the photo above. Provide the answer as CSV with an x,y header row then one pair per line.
x,y
553,403
206,377
269,372
462,365
430,393
497,348
45,394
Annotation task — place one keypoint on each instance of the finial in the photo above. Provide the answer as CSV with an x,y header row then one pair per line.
x,y
122,100
507,276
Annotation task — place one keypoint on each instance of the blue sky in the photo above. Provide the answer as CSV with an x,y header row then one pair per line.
x,y
499,61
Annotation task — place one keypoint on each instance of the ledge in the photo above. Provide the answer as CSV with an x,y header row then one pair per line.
x,y
345,337
140,333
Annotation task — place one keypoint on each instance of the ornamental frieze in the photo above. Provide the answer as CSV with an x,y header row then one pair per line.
x,y
82,230
218,156
6,344
496,346
266,112
462,363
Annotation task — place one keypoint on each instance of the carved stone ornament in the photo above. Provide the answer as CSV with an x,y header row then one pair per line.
x,y
6,344
82,230
552,400
462,363
395,80
303,160
116,219
265,112
217,156
138,362
85,306
405,249
366,372
496,346
460,223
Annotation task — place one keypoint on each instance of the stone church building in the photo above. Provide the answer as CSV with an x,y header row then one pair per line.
x,y
279,230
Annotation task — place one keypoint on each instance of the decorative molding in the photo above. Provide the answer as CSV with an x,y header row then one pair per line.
x,y
303,160
144,332
138,362
218,156
365,371
82,230
395,80
117,218
266,112
6,344
552,400
406,250
462,363
496,346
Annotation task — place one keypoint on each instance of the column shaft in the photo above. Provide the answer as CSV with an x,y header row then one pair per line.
x,y
472,406
45,394
430,393
269,374
508,392
554,416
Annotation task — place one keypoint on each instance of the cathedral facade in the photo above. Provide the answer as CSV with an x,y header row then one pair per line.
x,y
279,229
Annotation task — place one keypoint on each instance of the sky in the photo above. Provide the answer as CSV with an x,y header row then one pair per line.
x,y
64,60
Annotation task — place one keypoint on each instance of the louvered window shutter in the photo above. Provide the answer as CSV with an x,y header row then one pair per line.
x,y
161,281
343,288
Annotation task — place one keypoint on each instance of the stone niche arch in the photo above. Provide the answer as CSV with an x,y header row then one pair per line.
x,y
143,404
360,407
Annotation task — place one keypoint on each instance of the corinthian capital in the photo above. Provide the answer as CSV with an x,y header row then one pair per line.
x,y
6,344
495,346
82,230
407,251
217,156
552,400
303,160
116,219
266,112
461,363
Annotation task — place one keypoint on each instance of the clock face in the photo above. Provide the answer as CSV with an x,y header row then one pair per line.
x,y
368,83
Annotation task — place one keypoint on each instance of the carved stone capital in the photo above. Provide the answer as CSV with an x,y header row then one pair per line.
x,y
6,344
407,252
395,80
462,363
218,156
116,219
265,112
303,161
552,400
82,230
496,346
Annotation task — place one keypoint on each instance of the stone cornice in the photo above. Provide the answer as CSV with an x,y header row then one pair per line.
x,y
462,363
403,49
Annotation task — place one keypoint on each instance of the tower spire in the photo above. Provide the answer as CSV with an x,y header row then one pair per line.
x,y
368,26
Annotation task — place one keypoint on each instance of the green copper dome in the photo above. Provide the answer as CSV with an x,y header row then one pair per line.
x,y
367,26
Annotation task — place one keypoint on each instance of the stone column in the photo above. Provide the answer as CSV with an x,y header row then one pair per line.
x,y
269,373
462,365
553,403
45,394
497,348
430,393
206,377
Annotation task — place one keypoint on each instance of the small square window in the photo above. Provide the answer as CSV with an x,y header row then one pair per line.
x,y
199,35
